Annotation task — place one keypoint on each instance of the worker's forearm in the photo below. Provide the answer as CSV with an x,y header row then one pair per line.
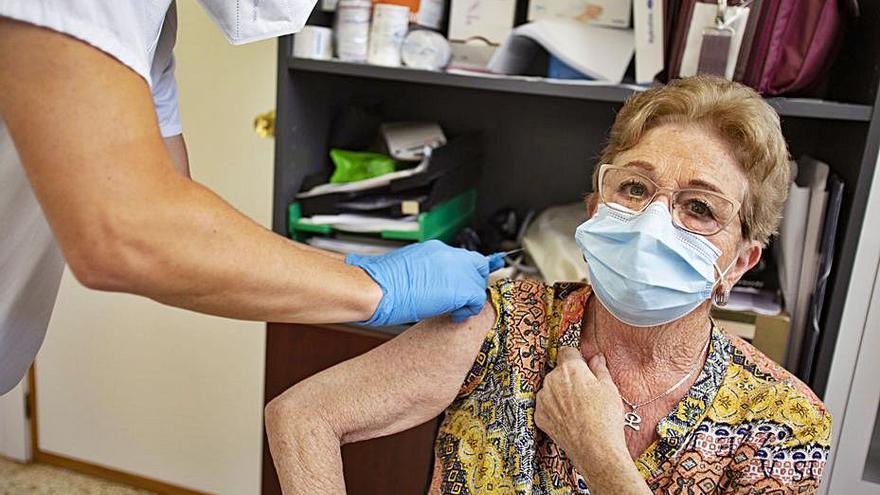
x,y
616,475
306,453
189,248
85,128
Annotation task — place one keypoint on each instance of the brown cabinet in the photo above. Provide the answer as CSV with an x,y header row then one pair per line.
x,y
398,464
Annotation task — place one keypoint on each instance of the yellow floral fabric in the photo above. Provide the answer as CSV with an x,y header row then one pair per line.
x,y
746,426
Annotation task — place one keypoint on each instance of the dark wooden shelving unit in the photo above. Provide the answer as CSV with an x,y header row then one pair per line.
x,y
542,139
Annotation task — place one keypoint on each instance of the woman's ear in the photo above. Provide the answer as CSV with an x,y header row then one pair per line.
x,y
749,255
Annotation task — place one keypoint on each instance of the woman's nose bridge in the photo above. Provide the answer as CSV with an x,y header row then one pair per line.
x,y
664,194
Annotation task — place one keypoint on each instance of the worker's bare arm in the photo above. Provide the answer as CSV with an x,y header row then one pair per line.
x,y
176,147
126,220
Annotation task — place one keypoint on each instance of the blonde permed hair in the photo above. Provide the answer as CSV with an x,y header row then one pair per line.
x,y
737,114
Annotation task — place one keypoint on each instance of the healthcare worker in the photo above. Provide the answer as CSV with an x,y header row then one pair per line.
x,y
90,133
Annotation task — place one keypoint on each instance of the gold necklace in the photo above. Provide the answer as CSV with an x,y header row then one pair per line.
x,y
632,419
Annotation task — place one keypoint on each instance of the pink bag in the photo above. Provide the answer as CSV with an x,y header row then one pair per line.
x,y
794,45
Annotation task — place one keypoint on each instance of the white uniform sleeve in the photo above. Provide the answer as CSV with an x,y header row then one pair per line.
x,y
139,34
124,29
164,85
165,99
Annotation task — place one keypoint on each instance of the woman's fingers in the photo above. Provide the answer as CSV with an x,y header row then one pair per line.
x,y
572,359
567,354
599,367
579,403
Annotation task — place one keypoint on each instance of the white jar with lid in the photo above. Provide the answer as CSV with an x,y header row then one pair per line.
x,y
353,29
389,27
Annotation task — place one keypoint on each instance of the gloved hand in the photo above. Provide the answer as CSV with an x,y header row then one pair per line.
x,y
428,279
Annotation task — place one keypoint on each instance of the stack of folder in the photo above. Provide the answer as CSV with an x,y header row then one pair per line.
x,y
432,200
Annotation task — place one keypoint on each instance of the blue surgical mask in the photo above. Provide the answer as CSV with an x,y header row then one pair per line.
x,y
645,270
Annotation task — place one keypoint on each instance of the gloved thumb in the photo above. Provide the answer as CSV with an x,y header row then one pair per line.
x,y
461,314
496,262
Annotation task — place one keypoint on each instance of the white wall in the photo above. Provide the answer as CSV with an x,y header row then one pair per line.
x,y
15,434
164,393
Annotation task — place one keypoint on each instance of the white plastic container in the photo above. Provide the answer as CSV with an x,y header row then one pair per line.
x,y
389,27
353,30
313,42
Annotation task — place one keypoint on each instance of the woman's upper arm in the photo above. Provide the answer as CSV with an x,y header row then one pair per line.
x,y
397,385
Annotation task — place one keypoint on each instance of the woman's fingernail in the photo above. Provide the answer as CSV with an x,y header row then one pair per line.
x,y
602,359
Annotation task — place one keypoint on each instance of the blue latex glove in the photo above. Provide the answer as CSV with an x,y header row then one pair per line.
x,y
428,279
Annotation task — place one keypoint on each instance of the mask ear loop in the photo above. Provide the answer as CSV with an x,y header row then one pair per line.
x,y
722,297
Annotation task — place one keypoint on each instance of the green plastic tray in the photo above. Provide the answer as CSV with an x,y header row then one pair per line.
x,y
442,222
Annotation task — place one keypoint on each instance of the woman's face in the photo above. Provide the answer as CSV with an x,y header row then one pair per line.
x,y
688,156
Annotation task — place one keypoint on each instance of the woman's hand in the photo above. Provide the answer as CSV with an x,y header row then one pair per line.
x,y
579,406
580,409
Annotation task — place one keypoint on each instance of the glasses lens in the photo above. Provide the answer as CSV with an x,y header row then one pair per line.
x,y
626,188
702,212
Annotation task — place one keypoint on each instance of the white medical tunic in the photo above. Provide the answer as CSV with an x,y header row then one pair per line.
x,y
141,35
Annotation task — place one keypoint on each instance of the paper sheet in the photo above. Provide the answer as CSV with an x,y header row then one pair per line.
x,y
813,174
789,247
598,52
346,246
349,222
761,302
363,185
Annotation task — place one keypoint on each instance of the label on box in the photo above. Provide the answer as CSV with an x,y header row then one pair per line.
x,y
426,13
409,207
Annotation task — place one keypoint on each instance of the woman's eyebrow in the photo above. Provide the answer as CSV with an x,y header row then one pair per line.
x,y
641,164
704,185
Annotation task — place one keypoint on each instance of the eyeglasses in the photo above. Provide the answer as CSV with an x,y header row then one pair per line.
x,y
696,210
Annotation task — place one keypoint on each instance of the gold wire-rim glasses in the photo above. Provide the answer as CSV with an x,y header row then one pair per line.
x,y
673,194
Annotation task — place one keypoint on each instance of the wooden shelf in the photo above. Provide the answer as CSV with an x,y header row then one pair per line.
x,y
788,107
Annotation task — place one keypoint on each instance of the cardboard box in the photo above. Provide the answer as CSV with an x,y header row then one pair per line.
x,y
769,334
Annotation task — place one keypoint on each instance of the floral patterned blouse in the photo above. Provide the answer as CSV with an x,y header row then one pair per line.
x,y
746,426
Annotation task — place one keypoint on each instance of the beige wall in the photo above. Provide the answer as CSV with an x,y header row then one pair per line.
x,y
164,393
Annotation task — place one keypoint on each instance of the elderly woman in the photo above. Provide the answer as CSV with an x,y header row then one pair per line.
x,y
623,386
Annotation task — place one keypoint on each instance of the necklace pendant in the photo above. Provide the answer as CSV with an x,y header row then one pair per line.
x,y
632,420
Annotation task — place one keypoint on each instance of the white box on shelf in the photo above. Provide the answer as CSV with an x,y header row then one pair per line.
x,y
648,25
430,13
612,13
